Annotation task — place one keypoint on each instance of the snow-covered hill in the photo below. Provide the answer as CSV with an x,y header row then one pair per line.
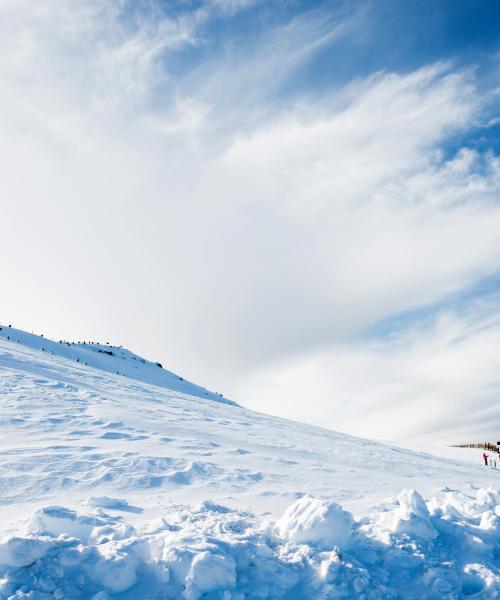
x,y
112,359
111,487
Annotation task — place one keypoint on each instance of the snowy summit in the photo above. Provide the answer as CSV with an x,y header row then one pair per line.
x,y
112,359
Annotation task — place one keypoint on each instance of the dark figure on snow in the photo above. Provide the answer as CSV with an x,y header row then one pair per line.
x,y
485,457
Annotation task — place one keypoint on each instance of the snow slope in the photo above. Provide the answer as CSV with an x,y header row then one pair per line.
x,y
112,359
111,487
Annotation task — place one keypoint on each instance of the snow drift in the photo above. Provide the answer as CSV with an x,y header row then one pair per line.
x,y
215,553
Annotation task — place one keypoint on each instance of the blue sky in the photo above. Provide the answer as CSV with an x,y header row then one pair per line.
x,y
295,203
389,35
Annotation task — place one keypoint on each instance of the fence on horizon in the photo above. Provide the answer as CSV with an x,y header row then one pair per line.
x,y
481,445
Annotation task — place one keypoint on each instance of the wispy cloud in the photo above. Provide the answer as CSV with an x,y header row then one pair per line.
x,y
174,171
436,379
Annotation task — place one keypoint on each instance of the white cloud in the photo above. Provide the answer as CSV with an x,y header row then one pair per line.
x,y
436,380
206,219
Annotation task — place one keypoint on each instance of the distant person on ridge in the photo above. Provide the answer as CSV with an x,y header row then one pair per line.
x,y
485,457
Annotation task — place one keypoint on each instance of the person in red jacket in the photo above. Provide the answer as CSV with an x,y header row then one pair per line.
x,y
485,457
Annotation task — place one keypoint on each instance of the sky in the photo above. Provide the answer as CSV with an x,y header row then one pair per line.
x,y
296,204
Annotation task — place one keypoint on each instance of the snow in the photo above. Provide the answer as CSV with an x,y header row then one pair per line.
x,y
211,552
117,487
316,521
111,359
55,521
107,502
411,517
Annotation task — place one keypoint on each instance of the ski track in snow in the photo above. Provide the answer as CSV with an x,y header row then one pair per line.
x,y
169,495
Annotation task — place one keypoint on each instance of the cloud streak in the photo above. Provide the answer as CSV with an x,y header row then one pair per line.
x,y
436,380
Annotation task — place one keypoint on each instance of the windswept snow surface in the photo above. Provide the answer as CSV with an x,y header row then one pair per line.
x,y
111,487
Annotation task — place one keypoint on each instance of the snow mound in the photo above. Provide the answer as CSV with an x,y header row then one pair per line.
x,y
315,550
57,520
413,517
316,521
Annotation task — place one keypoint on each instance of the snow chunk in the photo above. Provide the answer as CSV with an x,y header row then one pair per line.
x,y
412,504
115,571
107,502
412,516
199,566
489,497
22,552
316,521
56,521
210,572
